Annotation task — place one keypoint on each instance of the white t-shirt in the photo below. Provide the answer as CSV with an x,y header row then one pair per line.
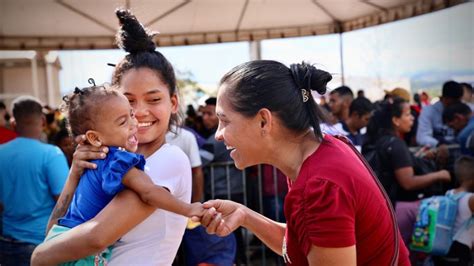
x,y
188,143
155,241
464,214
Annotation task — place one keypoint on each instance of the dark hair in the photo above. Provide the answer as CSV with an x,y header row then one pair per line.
x,y
62,134
211,101
138,42
467,86
50,117
380,123
463,168
416,99
450,112
453,90
81,107
4,107
269,84
26,107
361,106
190,111
343,91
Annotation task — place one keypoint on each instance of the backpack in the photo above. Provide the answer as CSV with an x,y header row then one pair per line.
x,y
375,155
433,232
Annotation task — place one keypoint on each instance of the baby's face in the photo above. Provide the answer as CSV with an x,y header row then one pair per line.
x,y
117,124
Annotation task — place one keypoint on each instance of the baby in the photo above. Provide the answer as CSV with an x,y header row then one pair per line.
x,y
105,117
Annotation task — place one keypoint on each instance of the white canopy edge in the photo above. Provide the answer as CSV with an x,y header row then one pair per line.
x,y
412,9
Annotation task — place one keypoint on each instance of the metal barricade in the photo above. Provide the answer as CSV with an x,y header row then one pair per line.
x,y
253,197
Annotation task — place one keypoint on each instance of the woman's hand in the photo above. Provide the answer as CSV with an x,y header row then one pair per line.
x,y
223,217
444,176
442,155
83,154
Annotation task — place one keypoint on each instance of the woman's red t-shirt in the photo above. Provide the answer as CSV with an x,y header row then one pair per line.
x,y
335,202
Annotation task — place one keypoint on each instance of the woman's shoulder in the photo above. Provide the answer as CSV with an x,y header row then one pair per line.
x,y
168,151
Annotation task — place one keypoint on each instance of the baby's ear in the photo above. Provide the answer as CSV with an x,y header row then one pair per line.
x,y
93,138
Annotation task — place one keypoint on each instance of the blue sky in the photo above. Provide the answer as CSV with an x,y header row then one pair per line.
x,y
442,41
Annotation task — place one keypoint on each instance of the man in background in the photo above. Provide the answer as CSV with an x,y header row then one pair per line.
x,y
360,112
431,130
32,176
460,118
340,100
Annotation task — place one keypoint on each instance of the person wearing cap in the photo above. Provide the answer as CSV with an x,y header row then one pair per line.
x,y
399,92
431,129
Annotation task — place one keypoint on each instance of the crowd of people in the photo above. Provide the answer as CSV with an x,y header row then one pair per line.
x,y
115,177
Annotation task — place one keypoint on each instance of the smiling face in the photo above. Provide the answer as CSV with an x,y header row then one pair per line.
x,y
150,98
240,134
115,124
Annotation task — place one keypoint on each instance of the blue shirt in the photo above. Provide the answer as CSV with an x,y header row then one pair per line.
x,y
431,129
97,187
463,137
31,174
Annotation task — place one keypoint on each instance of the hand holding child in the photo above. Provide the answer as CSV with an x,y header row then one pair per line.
x,y
83,154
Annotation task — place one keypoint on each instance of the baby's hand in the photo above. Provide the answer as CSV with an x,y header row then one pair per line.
x,y
196,210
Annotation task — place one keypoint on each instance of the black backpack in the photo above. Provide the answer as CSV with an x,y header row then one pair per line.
x,y
376,154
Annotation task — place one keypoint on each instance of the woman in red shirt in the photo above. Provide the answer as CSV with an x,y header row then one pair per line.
x,y
336,212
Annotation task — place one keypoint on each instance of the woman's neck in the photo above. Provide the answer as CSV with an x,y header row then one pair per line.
x,y
147,149
288,155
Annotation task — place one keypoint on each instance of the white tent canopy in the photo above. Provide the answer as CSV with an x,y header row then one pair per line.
x,y
91,24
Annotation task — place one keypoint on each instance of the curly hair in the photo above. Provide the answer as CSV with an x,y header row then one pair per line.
x,y
81,107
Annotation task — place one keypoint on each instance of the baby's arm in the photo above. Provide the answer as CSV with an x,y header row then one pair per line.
x,y
158,196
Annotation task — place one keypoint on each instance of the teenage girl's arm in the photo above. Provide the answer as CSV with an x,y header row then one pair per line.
x,y
409,181
79,163
124,212
232,215
157,196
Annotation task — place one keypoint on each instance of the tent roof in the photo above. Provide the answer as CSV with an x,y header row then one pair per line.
x,y
91,24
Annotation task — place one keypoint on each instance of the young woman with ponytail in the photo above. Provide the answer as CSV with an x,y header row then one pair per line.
x,y
139,233
336,212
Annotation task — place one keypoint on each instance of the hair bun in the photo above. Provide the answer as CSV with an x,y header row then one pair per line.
x,y
132,36
308,76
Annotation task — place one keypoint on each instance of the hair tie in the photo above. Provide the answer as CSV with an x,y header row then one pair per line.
x,y
78,91
305,95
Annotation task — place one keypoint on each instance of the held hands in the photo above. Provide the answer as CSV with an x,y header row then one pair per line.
x,y
196,209
222,217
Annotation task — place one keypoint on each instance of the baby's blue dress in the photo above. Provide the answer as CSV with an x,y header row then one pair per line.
x,y
97,187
